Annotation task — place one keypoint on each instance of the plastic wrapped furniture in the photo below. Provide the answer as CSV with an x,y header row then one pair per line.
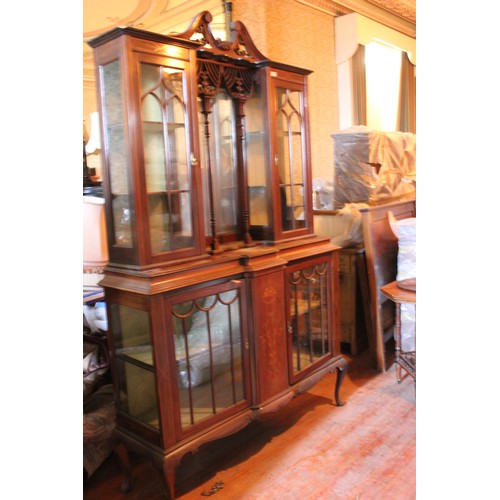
x,y
373,167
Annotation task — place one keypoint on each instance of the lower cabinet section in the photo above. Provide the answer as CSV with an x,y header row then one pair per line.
x,y
207,350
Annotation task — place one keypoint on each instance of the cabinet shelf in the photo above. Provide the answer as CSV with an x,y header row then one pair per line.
x,y
167,192
282,185
140,356
258,134
158,126
304,306
286,133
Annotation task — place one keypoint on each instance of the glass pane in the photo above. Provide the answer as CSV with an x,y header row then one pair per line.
x,y
222,163
117,159
297,173
309,315
137,392
256,159
208,351
290,157
134,363
164,126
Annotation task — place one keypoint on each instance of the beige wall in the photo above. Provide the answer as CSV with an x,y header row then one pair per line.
x,y
292,33
90,105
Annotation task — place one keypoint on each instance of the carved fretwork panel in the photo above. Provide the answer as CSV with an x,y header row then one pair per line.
x,y
211,76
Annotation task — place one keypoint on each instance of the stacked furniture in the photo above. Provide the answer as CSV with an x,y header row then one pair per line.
x,y
373,167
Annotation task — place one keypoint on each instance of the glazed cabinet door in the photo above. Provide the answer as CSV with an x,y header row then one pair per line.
x,y
279,177
291,153
208,336
310,320
167,157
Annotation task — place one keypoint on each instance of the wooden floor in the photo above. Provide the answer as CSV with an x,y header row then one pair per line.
x,y
312,449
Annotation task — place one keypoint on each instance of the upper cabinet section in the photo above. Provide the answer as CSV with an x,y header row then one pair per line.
x,y
205,144
278,159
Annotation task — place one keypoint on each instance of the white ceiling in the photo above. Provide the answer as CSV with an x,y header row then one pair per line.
x,y
159,16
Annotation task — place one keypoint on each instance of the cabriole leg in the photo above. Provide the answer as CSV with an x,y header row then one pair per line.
x,y
122,455
341,370
169,480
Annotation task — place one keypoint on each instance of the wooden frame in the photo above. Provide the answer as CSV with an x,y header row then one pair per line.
x,y
381,247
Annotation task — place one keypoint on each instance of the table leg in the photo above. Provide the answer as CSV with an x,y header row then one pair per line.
x,y
397,340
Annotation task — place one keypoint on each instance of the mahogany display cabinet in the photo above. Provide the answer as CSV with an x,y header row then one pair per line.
x,y
222,303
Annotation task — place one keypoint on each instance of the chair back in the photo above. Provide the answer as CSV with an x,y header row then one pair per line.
x,y
381,250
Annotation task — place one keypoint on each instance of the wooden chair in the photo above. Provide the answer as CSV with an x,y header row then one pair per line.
x,y
381,250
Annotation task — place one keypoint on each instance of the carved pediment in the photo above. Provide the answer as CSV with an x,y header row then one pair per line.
x,y
240,46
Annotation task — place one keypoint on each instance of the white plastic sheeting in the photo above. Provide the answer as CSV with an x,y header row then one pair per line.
x,y
406,232
372,167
